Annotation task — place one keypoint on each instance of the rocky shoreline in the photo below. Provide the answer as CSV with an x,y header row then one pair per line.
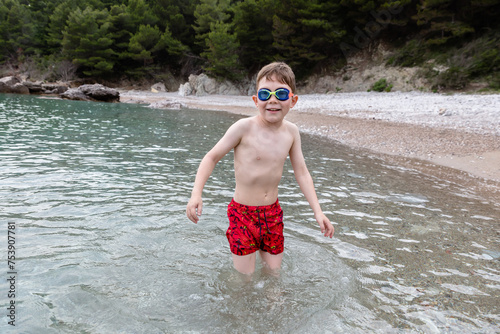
x,y
455,137
88,92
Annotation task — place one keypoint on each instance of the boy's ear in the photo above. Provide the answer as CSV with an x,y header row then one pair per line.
x,y
255,99
295,98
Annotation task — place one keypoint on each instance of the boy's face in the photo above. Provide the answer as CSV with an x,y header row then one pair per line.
x,y
273,110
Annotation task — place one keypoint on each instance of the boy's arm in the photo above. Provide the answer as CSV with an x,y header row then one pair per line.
x,y
306,184
207,165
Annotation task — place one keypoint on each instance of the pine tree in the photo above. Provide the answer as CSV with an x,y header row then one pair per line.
x,y
130,27
17,30
253,25
120,30
57,25
207,13
4,35
86,41
307,32
141,13
144,43
178,17
440,22
172,46
221,47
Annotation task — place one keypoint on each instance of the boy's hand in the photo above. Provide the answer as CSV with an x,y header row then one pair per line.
x,y
193,209
325,225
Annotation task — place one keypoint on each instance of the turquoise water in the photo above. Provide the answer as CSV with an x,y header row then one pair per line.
x,y
97,193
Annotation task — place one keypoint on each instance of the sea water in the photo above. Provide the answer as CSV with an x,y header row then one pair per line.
x,y
97,195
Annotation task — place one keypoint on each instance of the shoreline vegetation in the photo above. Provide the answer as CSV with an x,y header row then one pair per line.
x,y
452,137
432,44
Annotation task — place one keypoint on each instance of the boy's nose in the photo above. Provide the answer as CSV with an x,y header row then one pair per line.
x,y
273,98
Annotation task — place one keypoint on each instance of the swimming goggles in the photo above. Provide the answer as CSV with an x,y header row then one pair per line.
x,y
282,94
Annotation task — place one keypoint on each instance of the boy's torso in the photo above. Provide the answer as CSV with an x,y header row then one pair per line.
x,y
259,160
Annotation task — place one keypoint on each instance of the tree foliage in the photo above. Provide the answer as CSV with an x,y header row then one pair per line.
x,y
87,43
220,52
227,38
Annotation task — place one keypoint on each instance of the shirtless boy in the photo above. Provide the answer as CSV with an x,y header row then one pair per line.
x,y
261,145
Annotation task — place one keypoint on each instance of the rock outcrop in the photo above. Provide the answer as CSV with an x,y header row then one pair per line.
x,y
202,85
12,85
34,87
159,87
96,92
9,81
54,88
359,79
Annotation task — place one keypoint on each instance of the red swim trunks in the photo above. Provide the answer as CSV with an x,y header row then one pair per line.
x,y
255,227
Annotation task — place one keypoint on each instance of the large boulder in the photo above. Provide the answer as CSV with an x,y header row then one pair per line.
x,y
75,94
185,89
12,85
203,84
159,87
19,88
4,88
10,81
96,92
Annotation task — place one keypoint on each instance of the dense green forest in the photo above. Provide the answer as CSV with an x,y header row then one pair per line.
x,y
231,39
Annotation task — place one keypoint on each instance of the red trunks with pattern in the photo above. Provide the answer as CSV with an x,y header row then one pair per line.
x,y
255,227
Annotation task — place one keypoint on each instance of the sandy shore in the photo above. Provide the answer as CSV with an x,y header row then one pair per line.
x,y
455,137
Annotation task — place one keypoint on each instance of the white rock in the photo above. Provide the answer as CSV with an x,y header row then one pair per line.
x,y
160,87
185,89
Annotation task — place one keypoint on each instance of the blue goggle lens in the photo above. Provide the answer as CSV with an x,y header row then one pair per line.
x,y
281,94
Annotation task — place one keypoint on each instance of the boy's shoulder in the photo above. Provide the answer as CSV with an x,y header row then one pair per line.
x,y
292,127
243,124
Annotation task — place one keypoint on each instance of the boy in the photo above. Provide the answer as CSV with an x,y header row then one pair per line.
x,y
261,145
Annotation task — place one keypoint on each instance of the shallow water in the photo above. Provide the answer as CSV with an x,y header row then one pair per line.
x,y
97,193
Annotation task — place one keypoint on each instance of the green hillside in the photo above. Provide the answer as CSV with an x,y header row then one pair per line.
x,y
117,40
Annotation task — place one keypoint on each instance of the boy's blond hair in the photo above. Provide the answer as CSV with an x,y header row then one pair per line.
x,y
281,71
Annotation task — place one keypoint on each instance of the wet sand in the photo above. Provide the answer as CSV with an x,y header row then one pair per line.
x,y
453,137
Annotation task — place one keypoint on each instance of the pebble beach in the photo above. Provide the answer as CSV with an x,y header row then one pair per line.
x,y
455,137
